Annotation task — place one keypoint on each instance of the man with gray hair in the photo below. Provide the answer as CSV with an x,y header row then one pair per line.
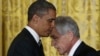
x,y
66,38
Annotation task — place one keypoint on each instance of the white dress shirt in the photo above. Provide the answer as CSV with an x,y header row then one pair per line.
x,y
73,49
33,33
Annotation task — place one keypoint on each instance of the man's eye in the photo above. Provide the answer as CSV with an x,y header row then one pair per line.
x,y
50,20
53,37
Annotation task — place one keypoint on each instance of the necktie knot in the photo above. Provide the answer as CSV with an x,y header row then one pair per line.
x,y
39,43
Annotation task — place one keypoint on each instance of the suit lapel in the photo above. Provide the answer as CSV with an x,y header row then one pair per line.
x,y
33,42
81,50
85,50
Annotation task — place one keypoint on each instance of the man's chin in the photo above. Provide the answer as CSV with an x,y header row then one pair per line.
x,y
61,53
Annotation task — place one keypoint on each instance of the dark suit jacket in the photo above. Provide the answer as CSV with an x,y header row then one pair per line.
x,y
98,52
85,50
25,45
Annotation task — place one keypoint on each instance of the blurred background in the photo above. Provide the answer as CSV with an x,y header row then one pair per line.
x,y
13,18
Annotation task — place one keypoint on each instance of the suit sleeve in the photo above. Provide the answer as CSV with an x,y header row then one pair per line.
x,y
24,49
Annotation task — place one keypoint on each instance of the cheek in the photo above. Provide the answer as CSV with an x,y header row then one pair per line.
x,y
63,45
61,48
43,25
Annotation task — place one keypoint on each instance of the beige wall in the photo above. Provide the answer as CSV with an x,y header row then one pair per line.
x,y
0,27
85,12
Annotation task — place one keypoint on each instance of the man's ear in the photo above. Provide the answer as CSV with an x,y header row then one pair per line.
x,y
35,18
70,35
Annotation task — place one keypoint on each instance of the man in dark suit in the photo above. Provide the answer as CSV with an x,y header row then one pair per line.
x,y
66,38
41,16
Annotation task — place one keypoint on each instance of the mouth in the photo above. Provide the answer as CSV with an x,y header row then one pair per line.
x,y
57,48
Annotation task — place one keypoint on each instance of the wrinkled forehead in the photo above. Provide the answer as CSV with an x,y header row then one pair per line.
x,y
54,34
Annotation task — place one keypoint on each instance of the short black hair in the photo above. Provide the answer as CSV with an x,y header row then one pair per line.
x,y
39,7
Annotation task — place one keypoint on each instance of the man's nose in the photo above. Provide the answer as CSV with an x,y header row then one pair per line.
x,y
52,24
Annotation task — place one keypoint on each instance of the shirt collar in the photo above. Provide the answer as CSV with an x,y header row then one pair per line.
x,y
72,51
33,33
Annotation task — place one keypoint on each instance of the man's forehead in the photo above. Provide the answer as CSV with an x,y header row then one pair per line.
x,y
54,33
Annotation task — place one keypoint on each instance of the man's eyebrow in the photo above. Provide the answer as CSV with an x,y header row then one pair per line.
x,y
53,37
51,19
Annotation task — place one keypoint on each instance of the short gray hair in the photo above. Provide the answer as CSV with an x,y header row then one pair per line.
x,y
65,24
